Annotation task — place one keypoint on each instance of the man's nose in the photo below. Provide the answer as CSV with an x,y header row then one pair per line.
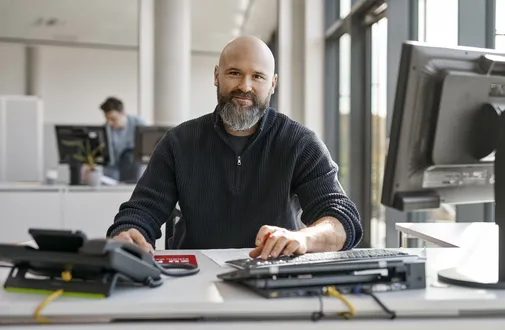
x,y
245,85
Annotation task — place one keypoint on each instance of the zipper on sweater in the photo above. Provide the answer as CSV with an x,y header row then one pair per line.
x,y
237,174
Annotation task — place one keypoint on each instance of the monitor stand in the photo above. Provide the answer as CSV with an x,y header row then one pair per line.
x,y
75,173
485,267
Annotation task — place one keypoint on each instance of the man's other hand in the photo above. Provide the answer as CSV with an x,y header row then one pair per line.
x,y
134,236
275,241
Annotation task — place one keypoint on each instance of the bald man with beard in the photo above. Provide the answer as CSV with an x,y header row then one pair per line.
x,y
244,175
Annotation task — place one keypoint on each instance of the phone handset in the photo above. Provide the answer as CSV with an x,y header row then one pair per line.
x,y
103,246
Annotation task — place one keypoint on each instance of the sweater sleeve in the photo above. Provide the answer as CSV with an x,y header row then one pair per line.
x,y
319,191
153,198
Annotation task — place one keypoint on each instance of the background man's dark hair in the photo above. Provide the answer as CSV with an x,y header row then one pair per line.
x,y
111,104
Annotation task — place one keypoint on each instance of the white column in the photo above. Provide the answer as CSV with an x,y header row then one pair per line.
x,y
285,22
314,66
172,60
146,60
291,58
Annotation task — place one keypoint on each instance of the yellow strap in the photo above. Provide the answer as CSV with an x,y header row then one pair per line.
x,y
335,293
65,276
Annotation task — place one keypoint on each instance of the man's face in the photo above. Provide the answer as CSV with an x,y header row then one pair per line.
x,y
244,90
115,119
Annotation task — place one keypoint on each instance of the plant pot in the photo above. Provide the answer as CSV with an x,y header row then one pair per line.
x,y
94,177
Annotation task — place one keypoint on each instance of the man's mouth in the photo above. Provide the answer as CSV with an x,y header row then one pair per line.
x,y
244,100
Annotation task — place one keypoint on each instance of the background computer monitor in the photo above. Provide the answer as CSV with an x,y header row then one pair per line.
x,y
441,149
447,138
146,139
94,135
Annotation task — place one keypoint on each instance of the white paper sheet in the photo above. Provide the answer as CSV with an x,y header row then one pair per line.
x,y
221,256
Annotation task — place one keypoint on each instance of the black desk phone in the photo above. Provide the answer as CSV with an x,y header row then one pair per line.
x,y
68,260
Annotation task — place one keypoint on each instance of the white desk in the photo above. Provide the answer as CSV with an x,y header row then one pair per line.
x,y
468,324
463,235
204,296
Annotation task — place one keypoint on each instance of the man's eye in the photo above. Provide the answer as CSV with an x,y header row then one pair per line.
x,y
258,77
234,73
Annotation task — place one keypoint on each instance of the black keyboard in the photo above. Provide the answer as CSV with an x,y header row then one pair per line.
x,y
323,257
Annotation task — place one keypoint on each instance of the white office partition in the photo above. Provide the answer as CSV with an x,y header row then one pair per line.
x,y
21,139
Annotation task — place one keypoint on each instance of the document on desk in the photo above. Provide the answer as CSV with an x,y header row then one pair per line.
x,y
220,257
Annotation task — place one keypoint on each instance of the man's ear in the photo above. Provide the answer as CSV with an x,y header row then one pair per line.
x,y
274,82
216,71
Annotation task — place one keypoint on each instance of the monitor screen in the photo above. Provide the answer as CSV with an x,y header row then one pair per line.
x,y
146,140
75,142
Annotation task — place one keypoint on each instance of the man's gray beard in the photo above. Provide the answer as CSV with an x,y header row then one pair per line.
x,y
240,119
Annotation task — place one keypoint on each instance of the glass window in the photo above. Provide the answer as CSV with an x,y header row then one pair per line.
x,y
345,108
500,25
379,134
500,22
330,12
500,42
345,8
438,22
438,25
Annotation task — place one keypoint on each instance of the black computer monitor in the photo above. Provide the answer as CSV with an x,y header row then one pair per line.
x,y
447,138
146,140
97,137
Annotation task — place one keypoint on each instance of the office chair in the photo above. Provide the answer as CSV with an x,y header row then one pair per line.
x,y
175,230
129,169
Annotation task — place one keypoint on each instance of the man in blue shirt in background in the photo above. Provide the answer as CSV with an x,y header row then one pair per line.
x,y
122,134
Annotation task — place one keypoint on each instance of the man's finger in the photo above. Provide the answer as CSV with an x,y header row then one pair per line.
x,y
281,243
291,248
256,251
269,245
124,236
140,240
260,237
137,236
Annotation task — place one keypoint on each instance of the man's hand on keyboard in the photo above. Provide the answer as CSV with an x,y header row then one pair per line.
x,y
275,241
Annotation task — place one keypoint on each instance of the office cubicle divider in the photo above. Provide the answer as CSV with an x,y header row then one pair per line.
x,y
21,139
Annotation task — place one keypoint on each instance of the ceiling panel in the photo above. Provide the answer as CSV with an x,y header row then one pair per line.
x,y
114,22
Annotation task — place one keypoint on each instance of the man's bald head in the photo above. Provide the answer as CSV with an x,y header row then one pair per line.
x,y
248,46
245,79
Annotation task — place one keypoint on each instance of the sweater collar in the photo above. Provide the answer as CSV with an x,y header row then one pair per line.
x,y
265,123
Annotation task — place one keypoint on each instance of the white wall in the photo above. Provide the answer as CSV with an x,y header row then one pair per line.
x,y
12,69
74,81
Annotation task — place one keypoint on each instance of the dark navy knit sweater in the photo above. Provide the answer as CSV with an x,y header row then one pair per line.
x,y
226,197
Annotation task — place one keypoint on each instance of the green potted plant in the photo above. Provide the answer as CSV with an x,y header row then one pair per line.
x,y
88,158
